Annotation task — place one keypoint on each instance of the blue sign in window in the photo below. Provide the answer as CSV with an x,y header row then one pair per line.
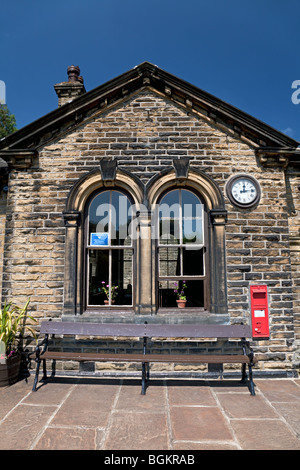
x,y
99,239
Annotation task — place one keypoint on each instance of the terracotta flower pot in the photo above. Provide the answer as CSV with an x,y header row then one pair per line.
x,y
181,303
9,370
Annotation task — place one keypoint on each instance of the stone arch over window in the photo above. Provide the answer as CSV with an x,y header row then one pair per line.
x,y
108,177
201,184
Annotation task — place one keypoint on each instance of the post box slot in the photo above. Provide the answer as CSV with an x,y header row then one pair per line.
x,y
259,295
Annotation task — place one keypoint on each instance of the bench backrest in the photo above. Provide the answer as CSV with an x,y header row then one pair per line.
x,y
146,330
92,329
198,331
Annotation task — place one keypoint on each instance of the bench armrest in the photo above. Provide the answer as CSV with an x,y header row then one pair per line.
x,y
247,350
37,350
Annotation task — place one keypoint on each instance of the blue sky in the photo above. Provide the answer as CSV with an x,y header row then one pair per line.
x,y
245,52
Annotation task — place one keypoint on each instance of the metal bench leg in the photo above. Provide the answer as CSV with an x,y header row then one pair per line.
x,y
144,379
145,367
37,369
44,370
251,384
244,374
38,363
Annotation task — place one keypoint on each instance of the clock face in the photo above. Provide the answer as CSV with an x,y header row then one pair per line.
x,y
243,191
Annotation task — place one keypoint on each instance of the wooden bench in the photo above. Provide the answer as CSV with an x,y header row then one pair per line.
x,y
146,331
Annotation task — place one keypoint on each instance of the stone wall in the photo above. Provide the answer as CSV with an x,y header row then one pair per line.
x,y
145,133
3,204
293,199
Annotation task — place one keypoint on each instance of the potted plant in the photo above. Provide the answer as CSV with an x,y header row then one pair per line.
x,y
113,293
12,327
181,297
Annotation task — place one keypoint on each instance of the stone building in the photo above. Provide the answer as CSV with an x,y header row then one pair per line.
x,y
144,184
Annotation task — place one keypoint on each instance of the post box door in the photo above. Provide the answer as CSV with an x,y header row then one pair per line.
x,y
259,311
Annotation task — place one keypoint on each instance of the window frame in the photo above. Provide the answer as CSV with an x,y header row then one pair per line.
x,y
88,247
205,277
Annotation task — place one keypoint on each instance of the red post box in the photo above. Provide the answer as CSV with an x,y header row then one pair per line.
x,y
259,311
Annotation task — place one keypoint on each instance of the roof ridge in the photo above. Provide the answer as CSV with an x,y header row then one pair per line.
x,y
150,75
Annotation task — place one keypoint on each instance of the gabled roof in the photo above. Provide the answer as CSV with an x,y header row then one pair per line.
x,y
195,101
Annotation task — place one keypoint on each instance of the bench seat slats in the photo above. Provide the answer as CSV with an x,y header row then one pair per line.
x,y
101,357
175,358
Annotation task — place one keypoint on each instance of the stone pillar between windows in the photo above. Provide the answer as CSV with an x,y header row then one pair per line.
x,y
72,222
145,304
218,219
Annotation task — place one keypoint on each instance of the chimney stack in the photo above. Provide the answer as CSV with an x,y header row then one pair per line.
x,y
68,91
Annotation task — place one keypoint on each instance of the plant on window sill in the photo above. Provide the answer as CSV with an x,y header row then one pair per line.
x,y
113,293
181,297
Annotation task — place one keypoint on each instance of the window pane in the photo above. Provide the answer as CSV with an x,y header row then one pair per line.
x,y
122,277
194,293
169,261
109,213
169,231
120,219
167,297
192,231
180,218
99,214
120,289
193,262
169,219
192,216
98,261
171,198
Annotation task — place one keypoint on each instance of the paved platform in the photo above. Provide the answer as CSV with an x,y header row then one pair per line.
x,y
70,413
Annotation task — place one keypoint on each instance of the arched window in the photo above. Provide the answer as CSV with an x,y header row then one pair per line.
x,y
140,271
109,250
182,239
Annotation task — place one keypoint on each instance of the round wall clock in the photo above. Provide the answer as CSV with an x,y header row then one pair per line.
x,y
243,191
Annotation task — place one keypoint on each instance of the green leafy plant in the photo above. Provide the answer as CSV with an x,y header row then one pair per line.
x,y
179,291
12,326
105,290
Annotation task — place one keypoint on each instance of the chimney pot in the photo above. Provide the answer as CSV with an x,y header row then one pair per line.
x,y
73,73
68,91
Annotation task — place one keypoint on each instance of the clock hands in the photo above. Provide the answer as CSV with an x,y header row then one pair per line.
x,y
246,190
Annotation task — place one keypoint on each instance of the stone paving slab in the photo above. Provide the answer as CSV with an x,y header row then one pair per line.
x,y
70,413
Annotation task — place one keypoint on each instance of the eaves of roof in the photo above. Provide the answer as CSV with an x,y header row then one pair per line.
x,y
193,99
